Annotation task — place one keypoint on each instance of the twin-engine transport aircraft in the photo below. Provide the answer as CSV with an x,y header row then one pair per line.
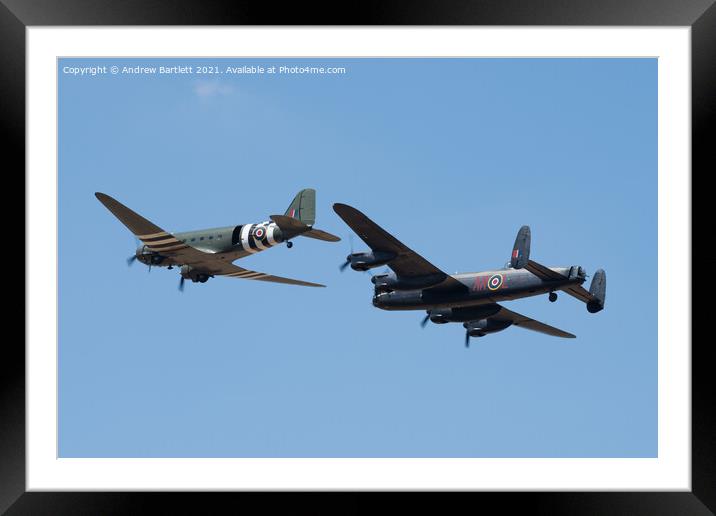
x,y
206,253
470,298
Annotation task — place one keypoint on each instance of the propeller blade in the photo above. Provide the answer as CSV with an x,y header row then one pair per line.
x,y
133,258
345,264
467,339
181,283
424,321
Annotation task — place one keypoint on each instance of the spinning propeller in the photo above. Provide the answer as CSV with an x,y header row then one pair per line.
x,y
181,283
345,264
133,258
425,320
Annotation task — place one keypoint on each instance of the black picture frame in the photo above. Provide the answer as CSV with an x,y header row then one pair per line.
x,y
700,15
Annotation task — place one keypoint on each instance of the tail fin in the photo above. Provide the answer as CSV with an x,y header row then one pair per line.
x,y
598,289
300,218
521,250
303,207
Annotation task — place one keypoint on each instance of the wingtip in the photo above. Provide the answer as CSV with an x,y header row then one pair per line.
x,y
103,197
345,209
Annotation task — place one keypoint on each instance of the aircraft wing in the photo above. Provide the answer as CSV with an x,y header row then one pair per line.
x,y
407,262
232,271
151,235
529,324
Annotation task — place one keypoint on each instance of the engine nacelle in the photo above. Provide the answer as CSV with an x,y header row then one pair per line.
x,y
365,261
484,326
388,282
440,315
196,276
462,314
148,257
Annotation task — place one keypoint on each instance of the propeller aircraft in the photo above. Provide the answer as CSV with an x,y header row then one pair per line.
x,y
469,298
207,253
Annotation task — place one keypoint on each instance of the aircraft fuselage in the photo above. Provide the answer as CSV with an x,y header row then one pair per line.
x,y
232,242
481,288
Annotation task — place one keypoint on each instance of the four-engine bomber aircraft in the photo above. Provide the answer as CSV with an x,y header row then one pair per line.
x,y
471,298
206,253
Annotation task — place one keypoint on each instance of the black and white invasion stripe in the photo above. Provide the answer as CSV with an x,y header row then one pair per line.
x,y
251,243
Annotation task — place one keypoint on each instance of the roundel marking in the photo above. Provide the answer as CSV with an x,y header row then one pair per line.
x,y
259,233
494,282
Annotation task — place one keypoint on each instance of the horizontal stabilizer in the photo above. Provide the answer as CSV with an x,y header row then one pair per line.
x,y
320,235
595,296
543,272
579,292
289,224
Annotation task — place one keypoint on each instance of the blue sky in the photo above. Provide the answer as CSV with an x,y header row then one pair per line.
x,y
450,155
